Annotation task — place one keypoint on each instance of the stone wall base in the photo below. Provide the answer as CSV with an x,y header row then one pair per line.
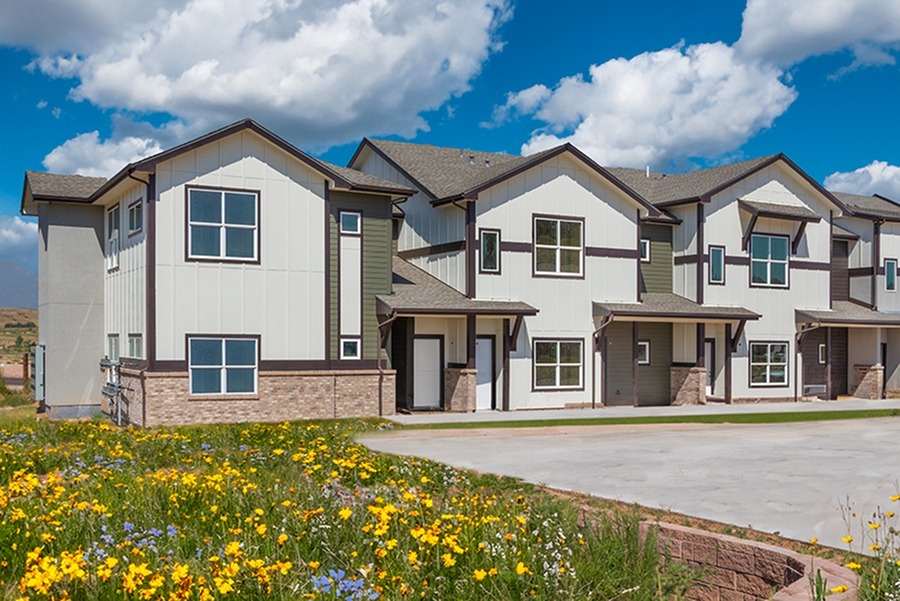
x,y
867,382
687,385
743,570
156,399
459,389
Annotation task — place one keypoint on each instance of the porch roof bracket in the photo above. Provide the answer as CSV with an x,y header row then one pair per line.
x,y
797,237
737,335
746,239
514,335
384,329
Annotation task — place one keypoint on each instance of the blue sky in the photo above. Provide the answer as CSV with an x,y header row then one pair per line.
x,y
674,85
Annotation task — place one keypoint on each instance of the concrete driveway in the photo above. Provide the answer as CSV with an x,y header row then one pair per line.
x,y
785,478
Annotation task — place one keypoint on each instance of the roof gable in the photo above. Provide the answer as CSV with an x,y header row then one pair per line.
x,y
871,207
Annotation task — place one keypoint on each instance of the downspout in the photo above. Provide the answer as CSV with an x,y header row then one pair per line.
x,y
381,340
605,322
798,337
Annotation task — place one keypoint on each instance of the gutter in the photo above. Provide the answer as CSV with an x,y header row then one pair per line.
x,y
382,335
798,338
607,319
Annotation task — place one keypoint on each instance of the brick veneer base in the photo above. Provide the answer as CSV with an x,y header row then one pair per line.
x,y
742,570
687,385
868,380
155,399
459,389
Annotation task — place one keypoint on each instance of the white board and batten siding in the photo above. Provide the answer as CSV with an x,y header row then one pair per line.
x,y
424,225
561,187
888,301
684,243
860,255
283,297
809,289
125,287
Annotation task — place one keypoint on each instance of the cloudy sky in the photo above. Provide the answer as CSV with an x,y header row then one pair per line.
x,y
90,85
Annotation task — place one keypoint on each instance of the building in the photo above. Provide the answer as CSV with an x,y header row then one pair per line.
x,y
237,278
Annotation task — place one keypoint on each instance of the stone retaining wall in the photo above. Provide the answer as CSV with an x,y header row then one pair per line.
x,y
459,389
743,570
687,385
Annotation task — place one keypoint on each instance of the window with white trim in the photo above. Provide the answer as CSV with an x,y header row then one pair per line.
x,y
558,246
112,347
351,222
223,365
223,224
643,352
716,265
112,238
135,217
769,260
135,346
890,275
823,354
768,363
490,251
350,348
645,250
558,364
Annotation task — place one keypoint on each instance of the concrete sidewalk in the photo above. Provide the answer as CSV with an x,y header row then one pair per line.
x,y
709,409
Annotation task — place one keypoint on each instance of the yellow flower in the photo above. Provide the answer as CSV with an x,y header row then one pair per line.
x,y
232,548
895,498
814,540
282,538
888,514
314,565
261,529
521,570
853,565
840,589
492,572
449,562
874,525
847,539
412,557
345,513
479,575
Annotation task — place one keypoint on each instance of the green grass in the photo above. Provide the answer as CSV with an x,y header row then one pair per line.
x,y
13,398
728,418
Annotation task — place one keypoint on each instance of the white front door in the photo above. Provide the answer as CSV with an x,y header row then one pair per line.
x,y
709,353
427,370
484,381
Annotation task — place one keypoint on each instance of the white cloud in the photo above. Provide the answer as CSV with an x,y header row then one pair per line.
x,y
658,107
42,104
519,103
320,73
786,32
18,240
86,154
878,177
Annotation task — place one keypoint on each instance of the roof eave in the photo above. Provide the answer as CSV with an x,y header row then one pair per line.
x,y
367,142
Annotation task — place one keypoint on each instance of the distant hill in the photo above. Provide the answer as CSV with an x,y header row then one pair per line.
x,y
12,315
18,287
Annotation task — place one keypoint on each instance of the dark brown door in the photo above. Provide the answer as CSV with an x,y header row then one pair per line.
x,y
840,272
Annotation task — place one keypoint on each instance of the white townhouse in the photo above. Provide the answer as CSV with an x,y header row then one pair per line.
x,y
233,277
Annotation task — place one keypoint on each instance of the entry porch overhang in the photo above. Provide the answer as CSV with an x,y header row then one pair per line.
x,y
671,308
757,210
848,314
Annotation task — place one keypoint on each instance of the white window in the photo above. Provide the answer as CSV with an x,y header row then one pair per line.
x,y
350,348
223,224
112,347
768,363
716,265
558,246
135,346
644,352
557,364
823,355
890,275
135,217
223,365
769,260
490,251
351,223
645,250
112,238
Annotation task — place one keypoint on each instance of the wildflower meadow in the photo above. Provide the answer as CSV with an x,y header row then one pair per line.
x,y
288,511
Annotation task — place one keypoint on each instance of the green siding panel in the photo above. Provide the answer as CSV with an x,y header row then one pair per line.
x,y
656,276
376,263
618,364
654,386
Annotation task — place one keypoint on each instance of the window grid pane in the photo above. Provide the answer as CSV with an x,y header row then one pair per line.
x,y
490,252
769,260
890,275
223,365
558,364
558,246
223,224
716,265
768,363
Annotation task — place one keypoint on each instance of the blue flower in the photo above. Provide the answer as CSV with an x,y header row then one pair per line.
x,y
128,527
171,530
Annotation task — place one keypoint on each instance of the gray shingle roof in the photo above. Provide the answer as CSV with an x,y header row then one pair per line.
x,y
444,172
768,209
847,312
72,187
663,188
870,206
364,180
840,232
418,292
667,305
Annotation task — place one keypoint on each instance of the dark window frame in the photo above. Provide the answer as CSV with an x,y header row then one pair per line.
x,y
481,267
188,258
223,337
534,247
709,270
769,261
112,258
787,363
886,261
